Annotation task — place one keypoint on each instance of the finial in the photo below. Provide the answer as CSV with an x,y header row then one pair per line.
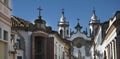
x,y
93,10
39,9
78,20
78,27
86,31
63,11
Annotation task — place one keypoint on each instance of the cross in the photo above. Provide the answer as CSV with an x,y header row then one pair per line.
x,y
93,9
78,20
39,9
63,11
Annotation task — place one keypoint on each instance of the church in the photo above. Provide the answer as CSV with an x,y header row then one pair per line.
x,y
22,39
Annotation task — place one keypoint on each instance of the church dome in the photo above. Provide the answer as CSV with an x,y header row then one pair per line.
x,y
39,20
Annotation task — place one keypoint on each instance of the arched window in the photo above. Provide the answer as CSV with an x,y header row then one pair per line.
x,y
67,32
61,32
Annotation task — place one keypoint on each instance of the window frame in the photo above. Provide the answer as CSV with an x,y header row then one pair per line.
x,y
5,37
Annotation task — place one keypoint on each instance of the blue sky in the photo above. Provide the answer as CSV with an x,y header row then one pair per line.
x,y
74,9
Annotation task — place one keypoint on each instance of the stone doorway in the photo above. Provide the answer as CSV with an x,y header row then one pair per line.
x,y
39,47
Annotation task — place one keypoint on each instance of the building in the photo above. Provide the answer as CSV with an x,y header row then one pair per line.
x,y
110,43
38,41
5,29
95,34
106,41
81,42
63,26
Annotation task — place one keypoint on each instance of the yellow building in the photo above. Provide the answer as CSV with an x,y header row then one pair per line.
x,y
5,28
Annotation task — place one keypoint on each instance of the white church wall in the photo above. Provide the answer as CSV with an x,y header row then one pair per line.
x,y
27,37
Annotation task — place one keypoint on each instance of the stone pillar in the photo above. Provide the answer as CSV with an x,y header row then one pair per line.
x,y
113,55
108,51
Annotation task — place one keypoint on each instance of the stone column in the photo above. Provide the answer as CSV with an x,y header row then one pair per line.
x,y
111,54
108,51
113,49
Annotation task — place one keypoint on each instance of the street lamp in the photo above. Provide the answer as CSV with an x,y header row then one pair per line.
x,y
15,47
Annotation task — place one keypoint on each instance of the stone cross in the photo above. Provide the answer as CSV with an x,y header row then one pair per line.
x,y
39,9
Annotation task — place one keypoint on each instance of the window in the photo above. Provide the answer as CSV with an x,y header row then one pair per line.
x,y
55,56
19,57
6,2
67,32
5,35
63,55
61,32
18,44
0,33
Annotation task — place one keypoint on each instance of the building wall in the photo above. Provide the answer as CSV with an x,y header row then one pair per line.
x,y
2,50
20,53
5,26
27,36
58,47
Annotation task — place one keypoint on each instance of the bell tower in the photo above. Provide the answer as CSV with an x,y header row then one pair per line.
x,y
93,24
63,26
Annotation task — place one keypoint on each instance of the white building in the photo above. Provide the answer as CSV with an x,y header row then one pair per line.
x,y
111,43
63,26
5,28
106,41
96,35
61,47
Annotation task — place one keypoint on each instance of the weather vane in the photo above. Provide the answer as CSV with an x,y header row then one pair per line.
x,y
39,9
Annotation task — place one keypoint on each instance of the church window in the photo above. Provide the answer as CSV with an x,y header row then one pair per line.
x,y
5,35
61,32
18,44
67,32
